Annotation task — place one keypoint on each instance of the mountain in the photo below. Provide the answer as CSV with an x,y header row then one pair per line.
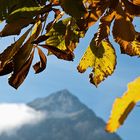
x,y
66,119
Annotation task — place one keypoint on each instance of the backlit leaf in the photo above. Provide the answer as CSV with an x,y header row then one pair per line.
x,y
62,39
61,54
136,2
131,8
6,69
19,76
78,10
104,26
123,106
127,38
41,65
9,52
101,58
24,52
15,27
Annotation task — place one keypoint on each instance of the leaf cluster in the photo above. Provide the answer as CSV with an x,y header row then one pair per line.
x,y
61,36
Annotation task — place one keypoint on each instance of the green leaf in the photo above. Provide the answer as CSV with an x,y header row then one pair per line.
x,y
62,39
101,58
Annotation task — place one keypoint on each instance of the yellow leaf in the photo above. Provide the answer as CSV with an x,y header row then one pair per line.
x,y
101,58
123,106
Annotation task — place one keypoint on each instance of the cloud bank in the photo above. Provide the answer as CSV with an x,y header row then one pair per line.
x,y
14,116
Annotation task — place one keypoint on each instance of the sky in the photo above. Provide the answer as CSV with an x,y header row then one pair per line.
x,y
60,74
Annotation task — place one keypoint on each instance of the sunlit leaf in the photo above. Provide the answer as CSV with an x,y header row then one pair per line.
x,y
93,15
41,65
104,26
101,58
127,38
61,54
24,52
9,52
136,2
19,76
62,39
123,106
131,8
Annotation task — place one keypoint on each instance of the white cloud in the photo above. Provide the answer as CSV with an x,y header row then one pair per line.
x,y
14,116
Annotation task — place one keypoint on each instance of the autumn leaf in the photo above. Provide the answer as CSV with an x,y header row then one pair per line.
x,y
131,8
6,69
78,10
127,38
10,51
136,2
104,26
15,27
18,77
23,58
62,39
60,54
41,65
101,58
123,106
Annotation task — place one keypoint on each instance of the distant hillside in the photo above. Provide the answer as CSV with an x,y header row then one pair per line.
x,y
66,119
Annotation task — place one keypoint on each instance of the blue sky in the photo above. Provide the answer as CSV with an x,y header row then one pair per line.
x,y
60,74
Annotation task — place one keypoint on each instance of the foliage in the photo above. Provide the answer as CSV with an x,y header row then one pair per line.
x,y
63,35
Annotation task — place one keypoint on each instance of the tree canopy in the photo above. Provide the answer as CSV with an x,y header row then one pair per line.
x,y
61,36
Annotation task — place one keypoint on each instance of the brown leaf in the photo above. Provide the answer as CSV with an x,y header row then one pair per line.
x,y
41,65
14,28
19,76
8,68
136,2
125,34
131,8
92,16
25,51
104,26
10,51
61,54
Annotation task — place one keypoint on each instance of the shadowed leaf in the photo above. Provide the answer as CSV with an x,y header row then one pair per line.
x,y
15,27
78,10
8,68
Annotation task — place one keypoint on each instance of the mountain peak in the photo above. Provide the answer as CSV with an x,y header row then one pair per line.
x,y
62,100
